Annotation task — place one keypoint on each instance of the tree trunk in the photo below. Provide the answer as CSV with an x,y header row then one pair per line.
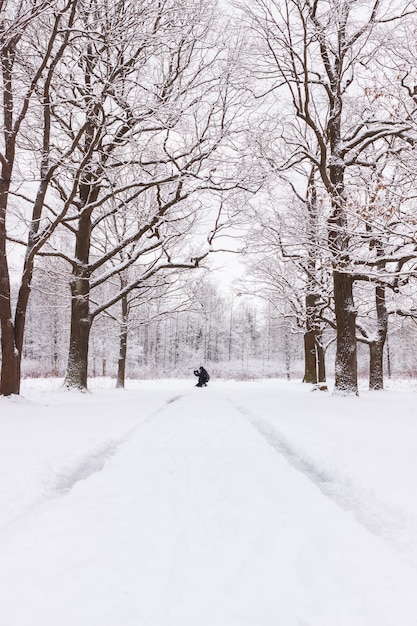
x,y
121,367
376,348
10,376
310,341
287,354
388,358
376,375
81,321
176,341
310,358
77,367
9,383
20,316
321,362
346,369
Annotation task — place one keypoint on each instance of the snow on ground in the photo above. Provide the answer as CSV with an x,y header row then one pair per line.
x,y
241,504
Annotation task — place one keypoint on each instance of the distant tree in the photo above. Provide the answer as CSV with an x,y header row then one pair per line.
x,y
167,295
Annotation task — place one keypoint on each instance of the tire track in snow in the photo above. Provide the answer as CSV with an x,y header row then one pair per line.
x,y
91,462
391,524
96,461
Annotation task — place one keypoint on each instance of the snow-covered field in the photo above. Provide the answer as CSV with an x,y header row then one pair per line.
x,y
242,504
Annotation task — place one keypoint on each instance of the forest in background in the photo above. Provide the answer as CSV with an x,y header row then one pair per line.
x,y
234,335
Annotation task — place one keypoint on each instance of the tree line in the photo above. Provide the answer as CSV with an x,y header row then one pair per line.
x,y
118,153
137,135
337,131
234,335
169,335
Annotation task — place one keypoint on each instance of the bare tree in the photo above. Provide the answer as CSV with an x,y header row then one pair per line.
x,y
386,250
151,91
33,39
316,57
290,264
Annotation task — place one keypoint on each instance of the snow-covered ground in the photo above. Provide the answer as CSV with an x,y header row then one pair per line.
x,y
242,504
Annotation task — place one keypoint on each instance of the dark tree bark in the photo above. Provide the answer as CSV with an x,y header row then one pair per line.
x,y
346,370
321,362
287,353
388,358
9,383
314,370
77,367
310,358
310,340
81,319
121,366
376,348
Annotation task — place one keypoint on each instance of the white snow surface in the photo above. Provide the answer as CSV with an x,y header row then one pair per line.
x,y
240,504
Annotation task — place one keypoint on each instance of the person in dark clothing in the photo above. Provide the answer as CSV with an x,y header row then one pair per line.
x,y
203,377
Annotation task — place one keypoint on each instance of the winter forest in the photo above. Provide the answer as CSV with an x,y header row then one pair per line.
x,y
220,184
228,184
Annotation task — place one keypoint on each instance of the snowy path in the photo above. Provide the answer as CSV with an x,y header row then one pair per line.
x,y
189,516
359,453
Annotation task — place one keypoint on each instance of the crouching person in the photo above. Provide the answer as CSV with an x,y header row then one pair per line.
x,y
203,377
